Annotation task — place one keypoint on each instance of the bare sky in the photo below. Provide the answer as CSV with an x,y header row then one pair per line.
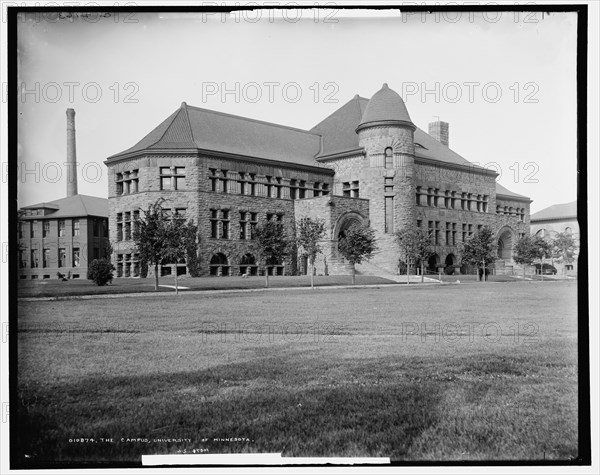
x,y
505,82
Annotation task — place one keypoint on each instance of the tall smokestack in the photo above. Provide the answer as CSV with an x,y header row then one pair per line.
x,y
440,131
71,154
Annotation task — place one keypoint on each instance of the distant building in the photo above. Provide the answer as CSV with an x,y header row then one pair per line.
x,y
367,163
560,218
63,236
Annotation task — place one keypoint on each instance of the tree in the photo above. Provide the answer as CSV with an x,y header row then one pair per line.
x,y
480,250
524,251
564,248
160,239
149,234
309,232
271,244
357,243
541,249
101,271
179,241
415,245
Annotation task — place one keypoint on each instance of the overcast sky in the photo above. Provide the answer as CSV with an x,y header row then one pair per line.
x,y
505,82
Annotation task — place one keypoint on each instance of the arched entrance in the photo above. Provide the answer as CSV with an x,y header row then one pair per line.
x,y
219,265
344,222
432,263
450,260
248,265
505,244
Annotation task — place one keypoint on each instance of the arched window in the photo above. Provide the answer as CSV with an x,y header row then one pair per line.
x,y
541,233
248,265
568,230
389,158
219,265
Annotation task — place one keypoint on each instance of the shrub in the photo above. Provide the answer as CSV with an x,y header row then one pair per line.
x,y
101,271
449,270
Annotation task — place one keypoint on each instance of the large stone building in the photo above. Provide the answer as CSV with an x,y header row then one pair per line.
x,y
560,218
367,162
63,236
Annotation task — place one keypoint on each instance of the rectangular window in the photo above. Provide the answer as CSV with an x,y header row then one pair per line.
x,y
355,193
389,185
419,223
243,223
325,189
454,234
418,196
269,186
75,227
213,179
225,224
253,224
448,233
172,178
46,258
96,227
293,189
437,233
61,228
32,229
242,183
223,182
214,224
464,233
389,214
278,187
21,230
119,231
470,230
76,257
252,184
302,190
127,233
46,230
22,259
62,257
436,202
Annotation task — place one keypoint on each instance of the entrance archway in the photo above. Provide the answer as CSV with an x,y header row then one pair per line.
x,y
344,222
433,263
505,244
450,260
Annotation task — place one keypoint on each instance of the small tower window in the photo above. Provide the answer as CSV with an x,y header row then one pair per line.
x,y
389,158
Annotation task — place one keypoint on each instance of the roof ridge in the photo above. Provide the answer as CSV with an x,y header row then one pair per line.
x,y
167,128
253,120
184,106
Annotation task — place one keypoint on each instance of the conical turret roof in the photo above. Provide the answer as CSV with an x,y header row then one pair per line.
x,y
386,107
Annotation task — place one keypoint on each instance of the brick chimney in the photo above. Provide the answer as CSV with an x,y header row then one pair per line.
x,y
71,154
440,131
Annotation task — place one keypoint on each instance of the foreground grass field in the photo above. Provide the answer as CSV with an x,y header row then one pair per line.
x,y
461,372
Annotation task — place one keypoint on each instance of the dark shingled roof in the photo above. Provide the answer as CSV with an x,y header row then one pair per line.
x,y
338,129
72,207
195,128
561,211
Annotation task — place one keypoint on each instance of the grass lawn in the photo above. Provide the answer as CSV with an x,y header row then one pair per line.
x,y
54,287
461,372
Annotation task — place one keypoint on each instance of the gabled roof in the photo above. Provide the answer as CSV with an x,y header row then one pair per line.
x,y
193,128
72,207
560,211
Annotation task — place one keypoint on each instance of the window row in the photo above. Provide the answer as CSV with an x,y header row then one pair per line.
x,y
510,211
37,229
127,221
221,223
220,266
51,257
250,184
451,199
350,189
451,231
